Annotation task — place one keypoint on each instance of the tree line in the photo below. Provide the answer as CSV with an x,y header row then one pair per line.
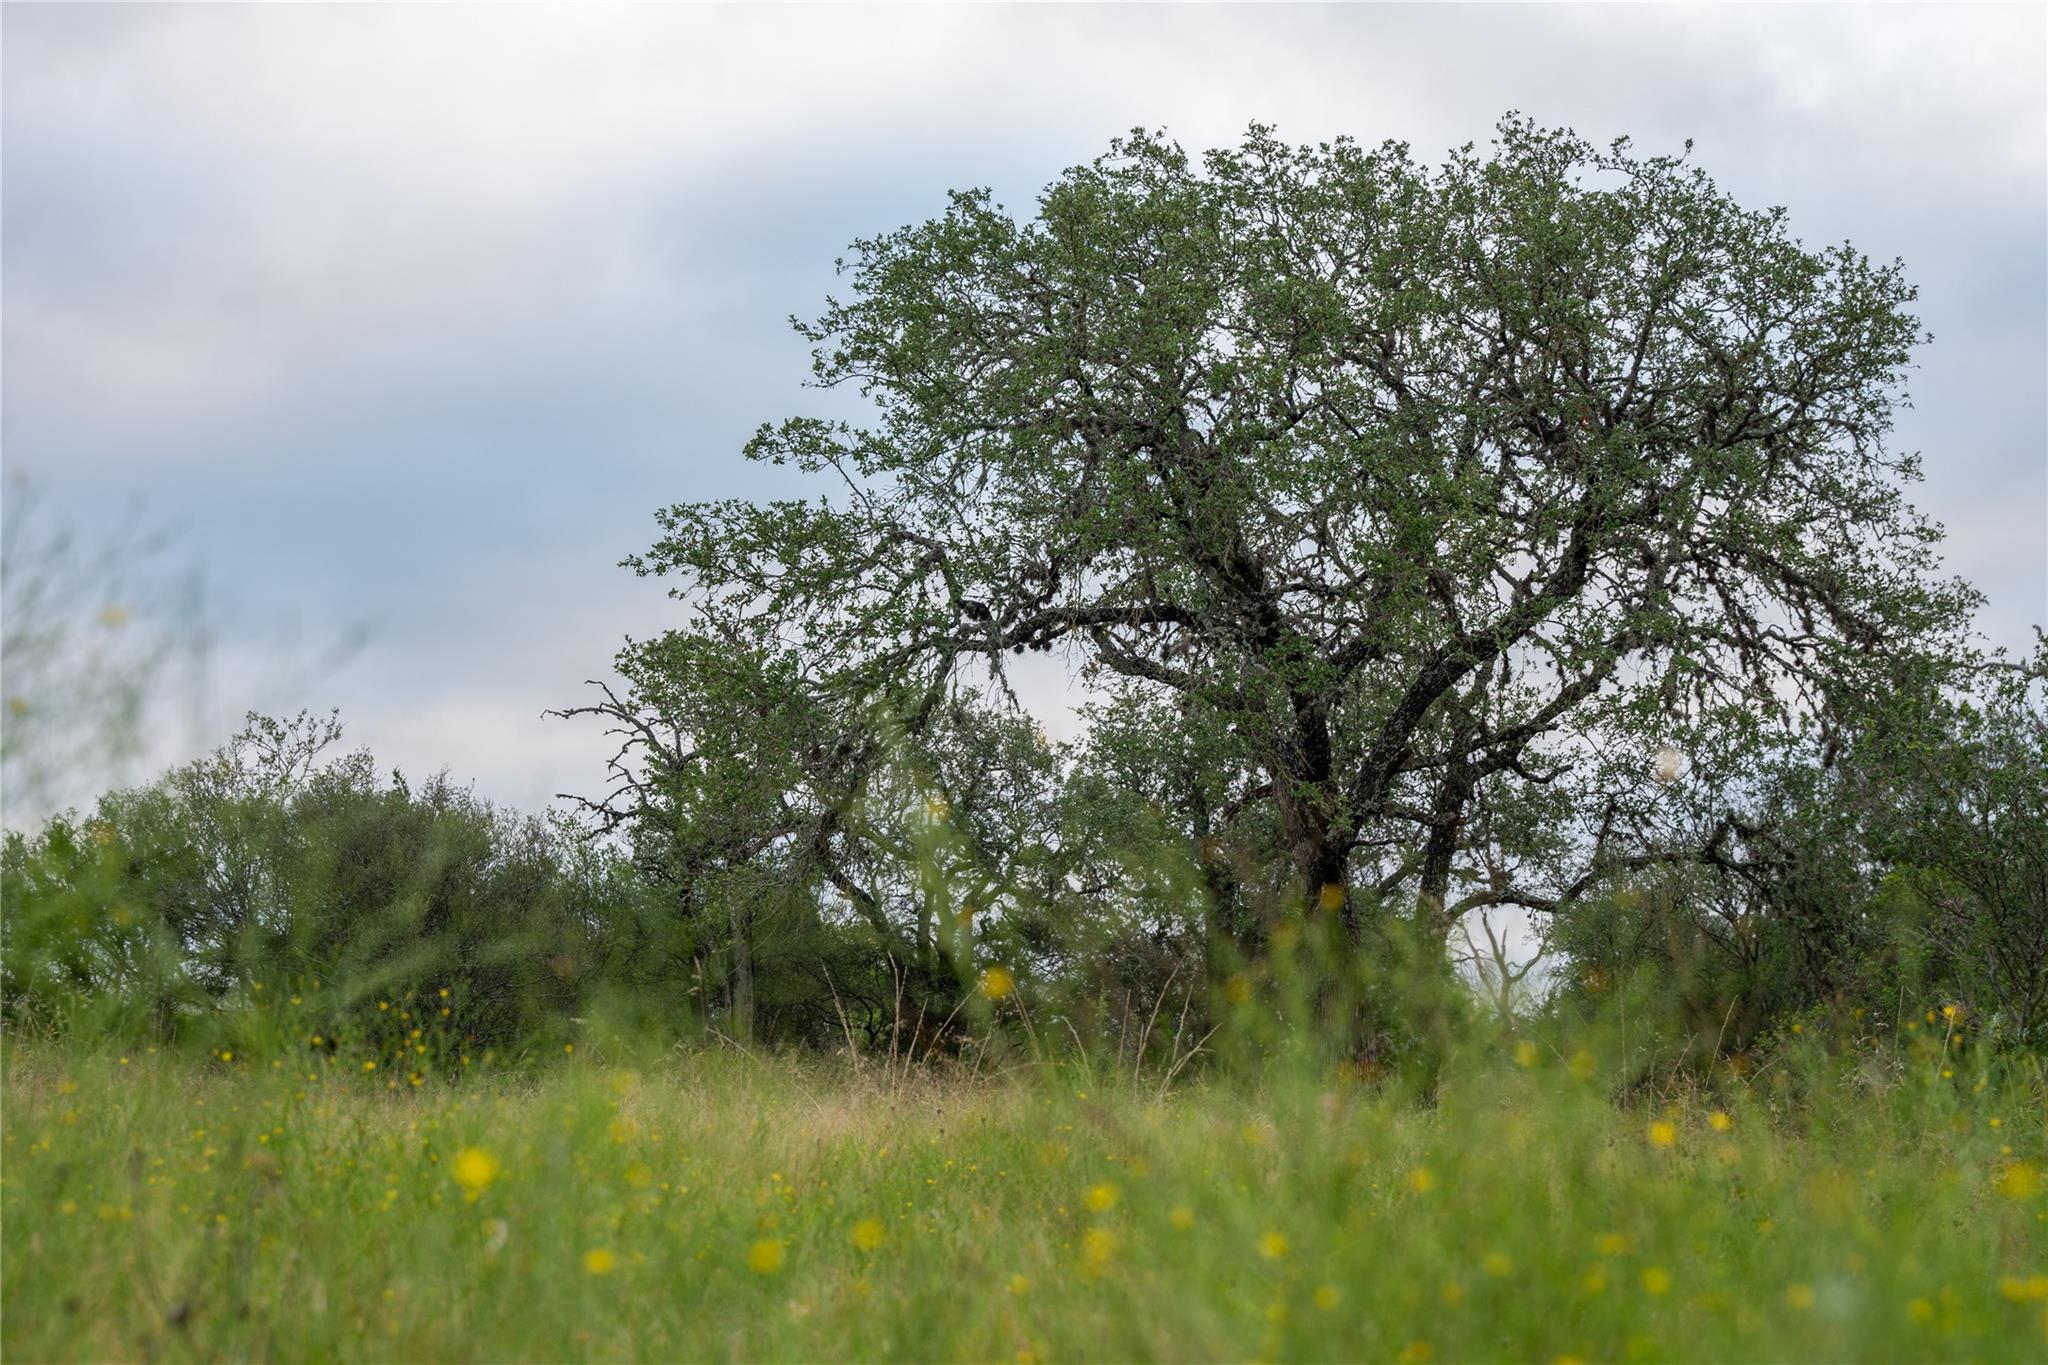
x,y
1519,533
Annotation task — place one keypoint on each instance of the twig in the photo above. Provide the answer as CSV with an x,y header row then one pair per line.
x,y
852,1048
1081,1051
1187,1000
1724,1027
1192,1053
748,1053
939,1032
1144,1038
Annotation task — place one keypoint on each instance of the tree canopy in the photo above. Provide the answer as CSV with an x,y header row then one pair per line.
x,y
1426,504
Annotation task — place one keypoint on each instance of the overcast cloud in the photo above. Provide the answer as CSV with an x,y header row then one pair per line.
x,y
409,318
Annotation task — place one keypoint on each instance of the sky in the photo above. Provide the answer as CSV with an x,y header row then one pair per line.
x,y
398,324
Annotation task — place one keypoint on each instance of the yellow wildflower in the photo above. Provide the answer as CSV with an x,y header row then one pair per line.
x,y
2019,1181
2026,1290
765,1256
474,1170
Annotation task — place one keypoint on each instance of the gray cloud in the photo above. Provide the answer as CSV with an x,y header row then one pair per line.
x,y
410,317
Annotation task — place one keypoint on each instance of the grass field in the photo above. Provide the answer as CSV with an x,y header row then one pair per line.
x,y
714,1206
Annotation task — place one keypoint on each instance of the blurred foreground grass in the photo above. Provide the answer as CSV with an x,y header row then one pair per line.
x,y
711,1206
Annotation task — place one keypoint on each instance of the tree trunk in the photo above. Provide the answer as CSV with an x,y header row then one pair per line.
x,y
1322,858
1432,914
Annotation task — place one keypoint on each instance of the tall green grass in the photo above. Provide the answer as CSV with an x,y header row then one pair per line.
x,y
713,1205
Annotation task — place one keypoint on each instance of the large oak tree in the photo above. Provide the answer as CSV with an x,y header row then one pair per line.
x,y
1434,499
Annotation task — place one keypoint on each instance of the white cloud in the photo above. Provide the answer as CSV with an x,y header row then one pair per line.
x,y
337,191
424,285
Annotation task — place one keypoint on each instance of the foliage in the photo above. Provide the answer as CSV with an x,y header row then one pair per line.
x,y
1425,503
713,1206
1905,870
1519,533
272,866
1954,797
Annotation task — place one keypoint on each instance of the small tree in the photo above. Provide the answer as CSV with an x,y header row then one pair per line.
x,y
773,799
1952,796
273,864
